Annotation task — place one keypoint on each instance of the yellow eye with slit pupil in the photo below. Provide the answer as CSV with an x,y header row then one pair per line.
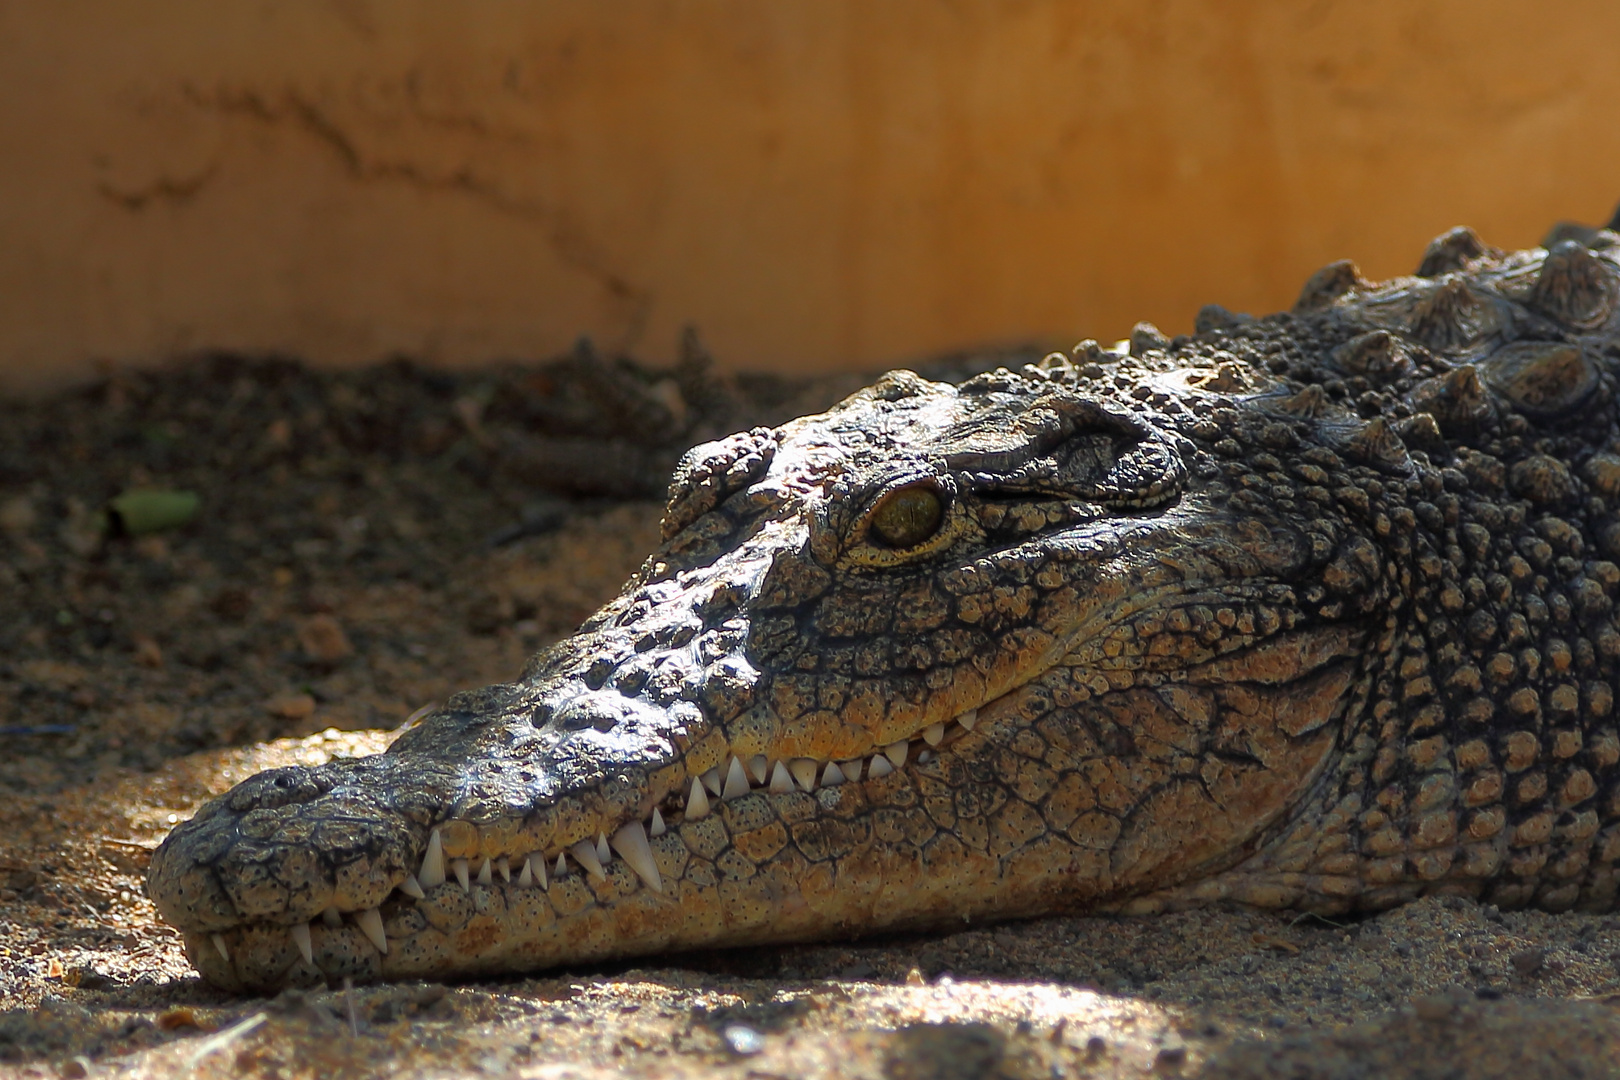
x,y
908,516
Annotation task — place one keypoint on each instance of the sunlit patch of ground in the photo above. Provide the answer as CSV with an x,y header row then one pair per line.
x,y
93,983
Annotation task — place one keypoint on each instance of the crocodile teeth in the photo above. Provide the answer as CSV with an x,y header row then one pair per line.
x,y
781,782
331,918
539,862
412,888
370,924
736,781
306,948
562,866
833,776
459,866
697,803
484,876
880,767
933,734
631,842
219,943
526,876
896,753
657,826
925,756
604,854
503,868
852,769
432,873
804,771
968,719
757,766
712,781
585,853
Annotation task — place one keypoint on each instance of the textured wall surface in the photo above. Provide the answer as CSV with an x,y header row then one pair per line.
x,y
814,183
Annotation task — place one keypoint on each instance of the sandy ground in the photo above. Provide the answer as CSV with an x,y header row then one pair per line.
x,y
332,582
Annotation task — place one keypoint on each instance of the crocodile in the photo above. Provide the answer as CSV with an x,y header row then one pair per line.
x,y
1311,611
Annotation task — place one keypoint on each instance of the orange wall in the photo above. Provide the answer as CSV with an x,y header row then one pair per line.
x,y
815,183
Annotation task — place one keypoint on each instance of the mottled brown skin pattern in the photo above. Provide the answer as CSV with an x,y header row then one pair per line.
x,y
1313,611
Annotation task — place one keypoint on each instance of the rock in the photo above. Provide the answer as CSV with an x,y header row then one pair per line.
x,y
1433,1006
147,651
291,706
1528,961
17,515
324,641
143,511
743,1040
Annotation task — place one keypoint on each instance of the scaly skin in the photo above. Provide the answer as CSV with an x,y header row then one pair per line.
x,y
1312,611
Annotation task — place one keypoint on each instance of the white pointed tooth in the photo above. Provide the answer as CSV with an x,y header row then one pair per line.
x,y
833,776
370,924
585,853
736,781
934,734
852,769
331,918
306,947
781,782
880,767
896,753
631,842
758,768
219,943
925,755
484,875
697,803
538,861
459,868
562,866
412,888
503,867
656,826
432,873
712,781
526,875
603,852
968,719
803,770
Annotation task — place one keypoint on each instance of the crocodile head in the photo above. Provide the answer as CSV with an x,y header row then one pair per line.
x,y
941,653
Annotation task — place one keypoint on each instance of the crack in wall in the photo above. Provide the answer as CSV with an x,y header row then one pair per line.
x,y
295,110
165,189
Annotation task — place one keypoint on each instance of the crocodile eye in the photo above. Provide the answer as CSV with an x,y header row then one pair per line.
x,y
907,516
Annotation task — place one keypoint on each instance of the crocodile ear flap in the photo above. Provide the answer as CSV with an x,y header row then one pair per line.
x,y
708,473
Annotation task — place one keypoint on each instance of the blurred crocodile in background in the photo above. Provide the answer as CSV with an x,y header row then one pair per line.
x,y
1310,611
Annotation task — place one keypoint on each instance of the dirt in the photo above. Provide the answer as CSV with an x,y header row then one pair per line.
x,y
360,548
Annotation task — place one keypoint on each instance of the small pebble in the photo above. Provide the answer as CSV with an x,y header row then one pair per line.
x,y
1172,1055
17,515
324,641
1433,1006
147,651
290,706
743,1040
1528,961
